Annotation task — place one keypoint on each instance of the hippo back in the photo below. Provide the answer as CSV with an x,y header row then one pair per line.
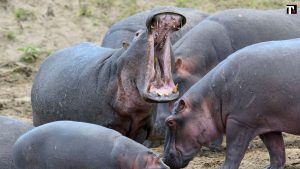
x,y
10,130
125,29
62,75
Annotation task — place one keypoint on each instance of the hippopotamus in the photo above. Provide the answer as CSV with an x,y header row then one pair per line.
x,y
214,39
116,88
254,92
79,145
10,131
124,30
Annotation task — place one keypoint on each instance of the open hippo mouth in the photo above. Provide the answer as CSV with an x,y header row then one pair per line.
x,y
160,85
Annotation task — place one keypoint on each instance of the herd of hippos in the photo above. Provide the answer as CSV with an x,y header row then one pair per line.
x,y
234,73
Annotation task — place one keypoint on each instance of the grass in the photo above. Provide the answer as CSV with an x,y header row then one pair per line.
x,y
104,3
23,14
29,54
10,35
84,10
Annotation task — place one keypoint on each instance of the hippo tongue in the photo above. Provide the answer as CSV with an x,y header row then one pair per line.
x,y
161,82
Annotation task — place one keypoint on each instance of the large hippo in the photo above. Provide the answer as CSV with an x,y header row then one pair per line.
x,y
215,38
110,87
254,92
124,30
78,145
10,131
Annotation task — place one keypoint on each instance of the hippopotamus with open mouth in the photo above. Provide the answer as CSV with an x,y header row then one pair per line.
x,y
254,92
78,145
110,87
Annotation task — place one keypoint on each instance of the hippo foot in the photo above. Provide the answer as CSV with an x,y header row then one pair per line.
x,y
216,148
213,148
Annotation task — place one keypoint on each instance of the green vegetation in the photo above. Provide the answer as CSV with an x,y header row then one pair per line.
x,y
10,35
104,3
85,11
23,14
30,54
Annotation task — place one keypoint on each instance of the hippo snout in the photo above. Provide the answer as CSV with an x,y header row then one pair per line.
x,y
173,160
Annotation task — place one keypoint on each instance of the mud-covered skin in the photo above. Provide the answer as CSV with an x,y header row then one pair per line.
x,y
254,92
124,30
10,131
110,87
78,145
216,37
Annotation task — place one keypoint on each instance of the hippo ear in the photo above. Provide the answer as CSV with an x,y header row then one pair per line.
x,y
125,44
180,106
178,63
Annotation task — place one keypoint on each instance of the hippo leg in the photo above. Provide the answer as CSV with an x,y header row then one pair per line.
x,y
238,137
275,145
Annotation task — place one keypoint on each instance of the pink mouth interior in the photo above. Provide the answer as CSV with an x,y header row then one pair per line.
x,y
161,82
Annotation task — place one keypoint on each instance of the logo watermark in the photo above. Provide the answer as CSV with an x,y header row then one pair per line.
x,y
291,9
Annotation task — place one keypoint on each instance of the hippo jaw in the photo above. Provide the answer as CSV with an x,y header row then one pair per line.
x,y
160,86
173,156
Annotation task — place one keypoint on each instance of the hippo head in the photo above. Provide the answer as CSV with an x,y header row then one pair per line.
x,y
151,56
189,127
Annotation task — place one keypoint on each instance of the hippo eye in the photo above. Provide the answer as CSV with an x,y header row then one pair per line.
x,y
137,34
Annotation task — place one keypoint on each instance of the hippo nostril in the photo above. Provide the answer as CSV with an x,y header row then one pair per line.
x,y
170,122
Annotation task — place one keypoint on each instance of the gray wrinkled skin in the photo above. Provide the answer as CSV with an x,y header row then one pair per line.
x,y
125,29
254,92
218,36
77,145
10,131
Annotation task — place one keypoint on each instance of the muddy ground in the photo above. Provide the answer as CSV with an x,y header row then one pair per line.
x,y
32,29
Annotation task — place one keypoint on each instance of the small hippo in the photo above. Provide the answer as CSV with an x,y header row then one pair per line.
x,y
218,36
254,92
10,131
124,31
78,145
114,88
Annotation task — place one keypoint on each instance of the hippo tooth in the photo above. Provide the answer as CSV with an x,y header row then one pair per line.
x,y
158,94
152,26
175,89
